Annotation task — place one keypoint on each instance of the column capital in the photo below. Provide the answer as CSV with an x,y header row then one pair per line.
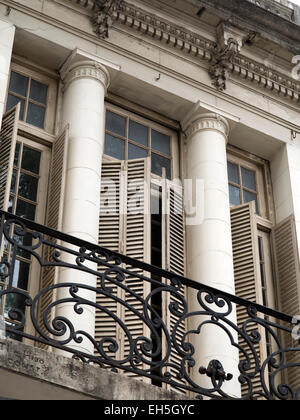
x,y
197,120
86,69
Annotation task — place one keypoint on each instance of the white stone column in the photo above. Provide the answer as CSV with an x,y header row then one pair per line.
x,y
85,85
209,246
7,35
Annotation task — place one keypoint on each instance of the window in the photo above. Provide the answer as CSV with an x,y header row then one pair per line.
x,y
242,185
36,92
128,137
27,199
32,95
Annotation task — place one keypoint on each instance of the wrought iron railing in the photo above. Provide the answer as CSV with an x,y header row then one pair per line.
x,y
266,340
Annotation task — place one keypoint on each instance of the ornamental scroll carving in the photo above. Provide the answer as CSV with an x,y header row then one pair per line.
x,y
102,17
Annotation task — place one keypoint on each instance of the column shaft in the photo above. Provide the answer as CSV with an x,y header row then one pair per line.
x,y
83,109
209,246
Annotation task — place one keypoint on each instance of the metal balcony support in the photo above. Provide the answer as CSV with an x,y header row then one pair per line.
x,y
150,356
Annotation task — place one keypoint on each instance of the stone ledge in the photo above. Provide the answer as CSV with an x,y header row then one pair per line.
x,y
72,378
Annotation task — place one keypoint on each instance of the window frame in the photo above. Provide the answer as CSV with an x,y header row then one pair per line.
x,y
130,115
40,76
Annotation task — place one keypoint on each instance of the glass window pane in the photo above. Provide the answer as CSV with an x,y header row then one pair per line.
x,y
17,154
21,272
28,186
138,133
14,301
13,182
10,204
115,123
36,115
248,197
18,83
114,147
135,152
31,160
234,196
160,142
159,162
25,240
13,101
233,172
38,92
25,210
248,179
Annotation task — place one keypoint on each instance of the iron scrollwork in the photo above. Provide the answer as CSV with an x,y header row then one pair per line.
x,y
164,349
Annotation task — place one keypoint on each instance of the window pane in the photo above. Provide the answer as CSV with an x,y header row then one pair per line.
x,y
13,101
18,83
28,187
161,142
25,240
25,210
159,162
17,153
248,179
10,204
138,133
233,172
234,196
36,115
31,160
248,197
135,152
114,147
38,92
13,182
15,301
21,271
116,123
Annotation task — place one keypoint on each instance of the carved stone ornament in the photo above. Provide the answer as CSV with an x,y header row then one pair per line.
x,y
102,18
229,43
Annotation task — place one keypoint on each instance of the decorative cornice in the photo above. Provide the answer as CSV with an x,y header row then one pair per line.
x,y
86,69
223,60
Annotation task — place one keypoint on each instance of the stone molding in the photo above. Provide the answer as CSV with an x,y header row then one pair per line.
x,y
220,67
102,16
88,70
207,121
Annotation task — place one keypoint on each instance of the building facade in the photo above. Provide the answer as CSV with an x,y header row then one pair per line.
x,y
168,132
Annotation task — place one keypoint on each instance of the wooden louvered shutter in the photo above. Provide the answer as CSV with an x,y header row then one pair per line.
x,y
137,246
8,139
55,203
175,262
125,231
110,237
245,254
288,285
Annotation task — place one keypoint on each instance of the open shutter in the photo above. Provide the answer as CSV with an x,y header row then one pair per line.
x,y
245,252
175,262
137,246
8,139
110,237
54,215
124,230
288,285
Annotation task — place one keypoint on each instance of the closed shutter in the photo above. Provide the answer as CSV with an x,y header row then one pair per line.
x,y
245,254
288,285
175,262
54,216
126,230
8,139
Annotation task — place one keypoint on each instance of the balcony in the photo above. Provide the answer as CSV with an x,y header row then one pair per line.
x,y
145,327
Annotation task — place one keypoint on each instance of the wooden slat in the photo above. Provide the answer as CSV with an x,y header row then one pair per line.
x,y
288,280
8,140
